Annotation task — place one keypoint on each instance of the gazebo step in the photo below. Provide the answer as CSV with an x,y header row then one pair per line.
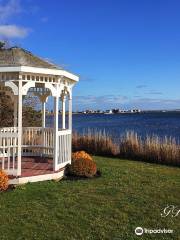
x,y
37,178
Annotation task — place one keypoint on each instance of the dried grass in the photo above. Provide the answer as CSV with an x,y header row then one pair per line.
x,y
131,146
98,143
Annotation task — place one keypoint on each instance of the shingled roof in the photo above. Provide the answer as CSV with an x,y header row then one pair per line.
x,y
16,56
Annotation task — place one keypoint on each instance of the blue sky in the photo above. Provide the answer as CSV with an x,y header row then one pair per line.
x,y
126,52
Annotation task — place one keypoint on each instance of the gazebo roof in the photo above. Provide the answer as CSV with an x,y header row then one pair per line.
x,y
15,56
18,60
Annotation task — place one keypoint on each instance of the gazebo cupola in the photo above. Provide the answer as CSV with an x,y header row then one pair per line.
x,y
22,72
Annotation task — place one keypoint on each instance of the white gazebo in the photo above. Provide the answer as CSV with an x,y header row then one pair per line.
x,y
22,72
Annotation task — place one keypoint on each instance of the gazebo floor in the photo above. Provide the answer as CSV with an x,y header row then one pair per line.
x,y
33,166
34,169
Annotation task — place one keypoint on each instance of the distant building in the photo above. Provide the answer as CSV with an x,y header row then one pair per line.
x,y
108,112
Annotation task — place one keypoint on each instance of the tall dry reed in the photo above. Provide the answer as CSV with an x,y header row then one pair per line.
x,y
150,149
130,146
98,143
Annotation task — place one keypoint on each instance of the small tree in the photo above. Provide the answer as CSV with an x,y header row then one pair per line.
x,y
2,45
31,116
6,111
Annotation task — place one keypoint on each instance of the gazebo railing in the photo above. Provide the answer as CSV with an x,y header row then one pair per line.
x,y
36,141
64,147
8,130
8,150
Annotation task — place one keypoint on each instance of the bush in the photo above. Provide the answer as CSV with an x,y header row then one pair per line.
x,y
81,155
3,181
82,165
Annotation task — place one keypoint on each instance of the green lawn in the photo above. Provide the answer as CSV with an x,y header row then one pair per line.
x,y
129,194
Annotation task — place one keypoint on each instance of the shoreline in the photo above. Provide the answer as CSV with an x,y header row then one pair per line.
x,y
121,113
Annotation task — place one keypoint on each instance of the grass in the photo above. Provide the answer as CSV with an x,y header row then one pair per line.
x,y
129,194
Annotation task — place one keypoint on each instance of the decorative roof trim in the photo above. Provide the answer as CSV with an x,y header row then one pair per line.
x,y
26,69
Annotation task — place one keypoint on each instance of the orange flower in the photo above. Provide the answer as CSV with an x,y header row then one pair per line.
x,y
81,155
3,180
83,167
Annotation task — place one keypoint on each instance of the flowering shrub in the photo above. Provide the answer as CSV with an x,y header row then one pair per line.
x,y
83,167
81,155
3,181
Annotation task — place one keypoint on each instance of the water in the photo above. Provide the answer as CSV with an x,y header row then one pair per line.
x,y
152,123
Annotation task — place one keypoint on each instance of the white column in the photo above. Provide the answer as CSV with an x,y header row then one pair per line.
x,y
43,124
15,110
56,112
70,113
63,99
19,127
43,114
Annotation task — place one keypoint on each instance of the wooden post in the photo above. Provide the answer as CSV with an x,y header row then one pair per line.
x,y
63,99
15,110
43,125
43,98
56,111
43,114
70,113
19,127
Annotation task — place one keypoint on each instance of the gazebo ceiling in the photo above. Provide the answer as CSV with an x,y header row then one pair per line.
x,y
16,56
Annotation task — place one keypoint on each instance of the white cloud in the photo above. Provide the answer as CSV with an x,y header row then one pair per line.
x,y
124,102
8,10
13,31
105,101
